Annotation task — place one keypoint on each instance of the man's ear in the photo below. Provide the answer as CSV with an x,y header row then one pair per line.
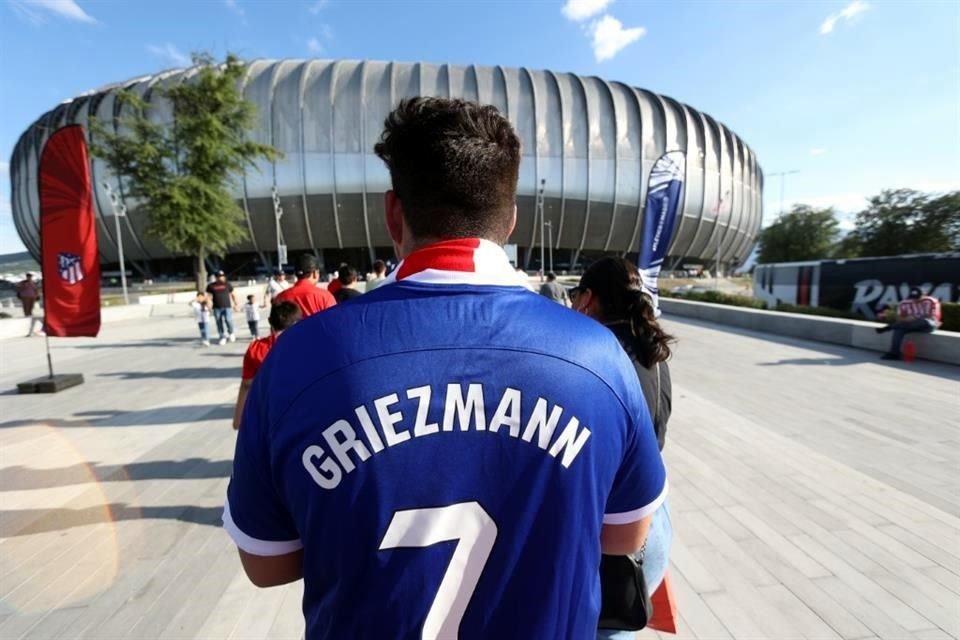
x,y
393,212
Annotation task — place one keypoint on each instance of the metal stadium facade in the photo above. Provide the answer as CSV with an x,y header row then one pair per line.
x,y
590,142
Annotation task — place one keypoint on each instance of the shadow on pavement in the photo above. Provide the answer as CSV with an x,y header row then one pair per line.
x,y
197,373
18,478
111,418
23,522
135,344
834,354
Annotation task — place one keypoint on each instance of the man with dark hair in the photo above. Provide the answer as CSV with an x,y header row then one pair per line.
x,y
348,284
553,290
305,293
275,286
917,314
283,315
437,465
379,273
335,285
224,302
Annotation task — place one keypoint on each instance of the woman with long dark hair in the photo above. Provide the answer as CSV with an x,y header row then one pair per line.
x,y
611,292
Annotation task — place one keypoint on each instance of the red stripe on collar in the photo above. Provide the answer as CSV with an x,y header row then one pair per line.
x,y
447,255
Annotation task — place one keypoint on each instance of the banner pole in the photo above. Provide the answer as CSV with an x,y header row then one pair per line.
x,y
46,338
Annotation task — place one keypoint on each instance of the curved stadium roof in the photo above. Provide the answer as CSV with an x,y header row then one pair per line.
x,y
591,140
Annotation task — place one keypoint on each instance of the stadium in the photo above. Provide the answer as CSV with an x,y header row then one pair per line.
x,y
589,142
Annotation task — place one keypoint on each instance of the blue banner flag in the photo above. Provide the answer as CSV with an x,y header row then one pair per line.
x,y
663,200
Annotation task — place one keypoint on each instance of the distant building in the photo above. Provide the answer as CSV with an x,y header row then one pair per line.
x,y
593,141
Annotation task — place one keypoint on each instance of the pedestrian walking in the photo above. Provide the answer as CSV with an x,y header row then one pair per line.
x,y
201,315
275,286
305,293
224,302
348,285
379,274
283,315
253,317
427,458
27,293
553,290
610,292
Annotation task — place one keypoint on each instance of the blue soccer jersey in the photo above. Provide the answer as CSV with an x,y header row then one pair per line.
x,y
445,450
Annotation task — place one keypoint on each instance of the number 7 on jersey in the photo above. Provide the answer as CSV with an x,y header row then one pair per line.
x,y
475,533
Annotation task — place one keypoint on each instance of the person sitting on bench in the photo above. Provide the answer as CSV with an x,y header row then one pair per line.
x,y
917,314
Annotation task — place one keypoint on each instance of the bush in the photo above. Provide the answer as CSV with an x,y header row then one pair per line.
x,y
819,311
951,317
4,315
718,297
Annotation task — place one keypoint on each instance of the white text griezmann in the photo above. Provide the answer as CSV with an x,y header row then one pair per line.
x,y
348,442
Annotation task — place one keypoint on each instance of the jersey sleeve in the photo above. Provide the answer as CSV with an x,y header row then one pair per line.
x,y
640,485
255,515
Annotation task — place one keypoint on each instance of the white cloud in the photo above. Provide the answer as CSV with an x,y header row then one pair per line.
x,y
316,7
315,46
233,6
171,54
580,10
817,151
34,10
609,37
849,12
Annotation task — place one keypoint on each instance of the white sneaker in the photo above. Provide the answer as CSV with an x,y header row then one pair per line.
x,y
233,338
205,343
222,341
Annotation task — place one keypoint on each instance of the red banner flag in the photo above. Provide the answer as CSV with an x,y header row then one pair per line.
x,y
68,237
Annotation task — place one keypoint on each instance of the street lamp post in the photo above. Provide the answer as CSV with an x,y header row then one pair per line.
x,y
543,266
549,225
277,214
119,211
783,179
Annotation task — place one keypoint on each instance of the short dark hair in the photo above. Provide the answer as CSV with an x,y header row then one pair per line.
x,y
250,297
454,166
306,265
379,266
347,275
551,276
284,315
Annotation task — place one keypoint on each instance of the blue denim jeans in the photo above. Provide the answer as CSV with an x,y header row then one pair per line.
x,y
224,317
656,557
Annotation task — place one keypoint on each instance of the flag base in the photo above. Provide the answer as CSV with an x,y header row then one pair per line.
x,y
51,384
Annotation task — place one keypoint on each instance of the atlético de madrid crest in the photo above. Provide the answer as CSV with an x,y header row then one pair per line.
x,y
69,266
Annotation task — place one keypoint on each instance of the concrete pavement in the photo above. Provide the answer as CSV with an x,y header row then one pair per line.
x,y
814,490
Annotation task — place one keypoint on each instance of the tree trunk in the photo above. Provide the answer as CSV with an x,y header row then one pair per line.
x,y
201,270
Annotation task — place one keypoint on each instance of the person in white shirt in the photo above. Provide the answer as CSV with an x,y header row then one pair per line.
x,y
253,316
379,275
275,285
201,314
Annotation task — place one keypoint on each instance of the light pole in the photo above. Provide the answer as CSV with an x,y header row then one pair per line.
x,y
277,214
119,211
543,266
549,224
783,179
716,261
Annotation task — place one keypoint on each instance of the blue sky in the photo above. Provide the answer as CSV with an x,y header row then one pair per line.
x,y
858,95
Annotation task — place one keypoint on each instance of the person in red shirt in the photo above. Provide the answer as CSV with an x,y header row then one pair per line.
x,y
306,294
283,315
917,314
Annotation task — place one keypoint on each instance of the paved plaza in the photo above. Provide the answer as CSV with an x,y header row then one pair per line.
x,y
815,492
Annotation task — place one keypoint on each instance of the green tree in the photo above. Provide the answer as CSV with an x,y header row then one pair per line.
x,y
803,233
181,172
903,221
